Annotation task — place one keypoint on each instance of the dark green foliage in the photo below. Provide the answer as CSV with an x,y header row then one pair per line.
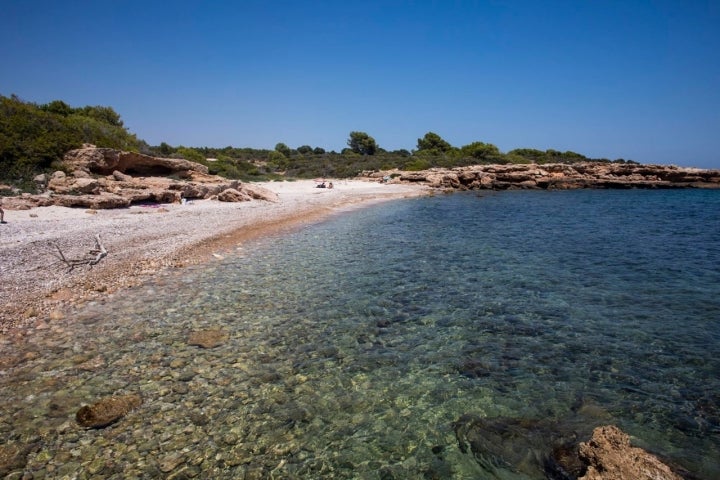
x,y
32,136
532,155
284,149
432,142
482,152
362,143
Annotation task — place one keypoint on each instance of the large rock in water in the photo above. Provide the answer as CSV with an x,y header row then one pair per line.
x,y
609,456
107,411
554,450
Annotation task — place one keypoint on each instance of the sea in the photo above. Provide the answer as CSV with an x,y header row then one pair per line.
x,y
459,336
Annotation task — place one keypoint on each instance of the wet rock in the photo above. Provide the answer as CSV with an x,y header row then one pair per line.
x,y
474,368
208,338
609,455
199,419
169,462
13,457
513,444
107,411
553,450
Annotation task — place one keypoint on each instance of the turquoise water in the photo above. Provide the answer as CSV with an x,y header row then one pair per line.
x,y
356,343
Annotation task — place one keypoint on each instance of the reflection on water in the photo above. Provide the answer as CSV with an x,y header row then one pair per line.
x,y
352,346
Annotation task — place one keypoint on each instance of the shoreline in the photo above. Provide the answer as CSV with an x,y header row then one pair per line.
x,y
142,241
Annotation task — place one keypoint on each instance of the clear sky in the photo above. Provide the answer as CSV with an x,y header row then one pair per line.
x,y
609,79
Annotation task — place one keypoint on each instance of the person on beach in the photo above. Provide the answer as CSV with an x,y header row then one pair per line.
x,y
2,215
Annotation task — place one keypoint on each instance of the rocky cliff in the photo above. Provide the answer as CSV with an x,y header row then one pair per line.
x,y
106,178
557,176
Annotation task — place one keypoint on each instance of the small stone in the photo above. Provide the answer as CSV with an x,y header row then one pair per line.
x,y
96,466
170,462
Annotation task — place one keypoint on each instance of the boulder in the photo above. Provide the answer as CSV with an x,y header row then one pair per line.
x,y
609,456
232,195
260,193
107,411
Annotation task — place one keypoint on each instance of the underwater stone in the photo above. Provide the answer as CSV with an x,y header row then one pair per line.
x,y
208,338
106,411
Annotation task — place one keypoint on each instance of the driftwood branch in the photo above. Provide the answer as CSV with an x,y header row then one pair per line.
x,y
93,257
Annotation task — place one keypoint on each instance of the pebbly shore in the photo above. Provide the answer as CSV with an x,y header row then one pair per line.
x,y
37,287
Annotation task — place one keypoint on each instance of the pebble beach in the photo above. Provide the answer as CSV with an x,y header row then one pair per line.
x,y
37,287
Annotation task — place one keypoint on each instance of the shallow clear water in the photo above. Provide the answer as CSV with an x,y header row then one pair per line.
x,y
355,344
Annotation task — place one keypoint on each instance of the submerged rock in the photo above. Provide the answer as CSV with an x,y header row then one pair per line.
x,y
519,445
107,411
14,457
609,455
208,338
553,450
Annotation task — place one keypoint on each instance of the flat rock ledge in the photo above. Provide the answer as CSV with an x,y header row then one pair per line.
x,y
555,176
103,178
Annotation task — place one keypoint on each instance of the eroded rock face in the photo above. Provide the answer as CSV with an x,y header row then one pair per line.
x,y
609,456
107,411
104,161
104,178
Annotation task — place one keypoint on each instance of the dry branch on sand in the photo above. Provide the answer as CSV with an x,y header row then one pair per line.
x,y
93,257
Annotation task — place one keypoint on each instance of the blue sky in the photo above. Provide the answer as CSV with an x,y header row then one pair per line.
x,y
609,79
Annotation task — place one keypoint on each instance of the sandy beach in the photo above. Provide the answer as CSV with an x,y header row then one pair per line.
x,y
37,287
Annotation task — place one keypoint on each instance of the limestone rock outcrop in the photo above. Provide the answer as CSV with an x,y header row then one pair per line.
x,y
557,176
104,161
104,178
609,456
555,449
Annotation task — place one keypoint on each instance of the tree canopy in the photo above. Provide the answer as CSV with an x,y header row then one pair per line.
x,y
33,136
433,142
362,143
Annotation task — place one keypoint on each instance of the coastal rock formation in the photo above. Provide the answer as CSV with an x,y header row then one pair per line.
x,y
104,178
609,455
107,410
105,161
557,176
554,450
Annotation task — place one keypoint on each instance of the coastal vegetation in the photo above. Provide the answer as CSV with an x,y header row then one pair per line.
x,y
34,138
